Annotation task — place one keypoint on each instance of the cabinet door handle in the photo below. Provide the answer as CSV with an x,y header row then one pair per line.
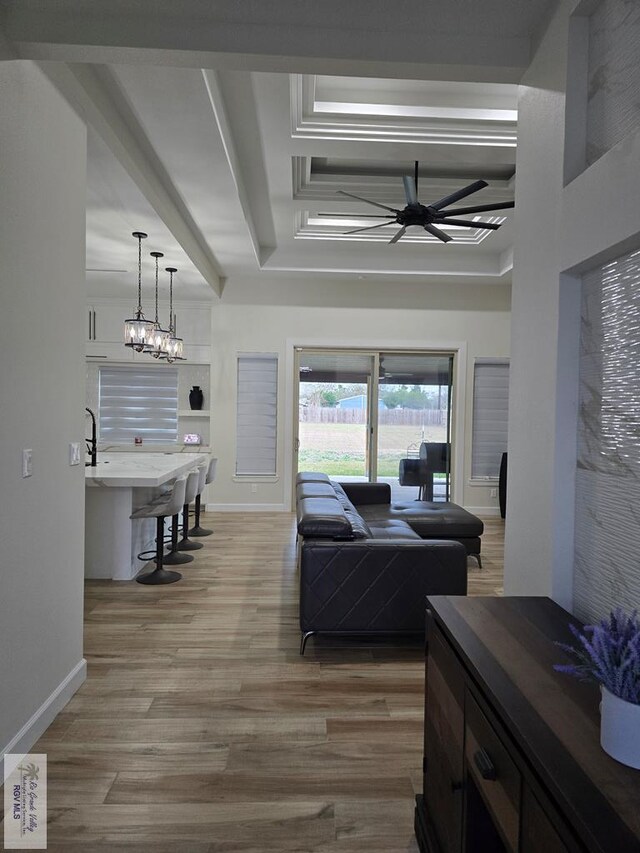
x,y
485,765
95,337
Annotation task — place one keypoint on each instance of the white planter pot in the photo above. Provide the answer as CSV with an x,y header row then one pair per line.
x,y
620,729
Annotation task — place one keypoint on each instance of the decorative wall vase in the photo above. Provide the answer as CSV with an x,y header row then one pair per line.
x,y
620,729
195,398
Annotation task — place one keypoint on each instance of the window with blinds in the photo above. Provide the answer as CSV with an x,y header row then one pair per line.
x,y
490,417
138,401
256,424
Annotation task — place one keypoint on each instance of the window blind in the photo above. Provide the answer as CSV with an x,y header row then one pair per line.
x,y
138,401
256,424
490,417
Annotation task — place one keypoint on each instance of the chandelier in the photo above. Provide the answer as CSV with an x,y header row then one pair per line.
x,y
175,345
137,329
149,336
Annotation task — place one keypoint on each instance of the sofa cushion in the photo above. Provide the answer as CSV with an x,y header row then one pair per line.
x,y
392,529
323,517
315,490
429,519
311,477
359,526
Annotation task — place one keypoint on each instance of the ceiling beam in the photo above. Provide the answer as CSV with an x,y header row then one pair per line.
x,y
362,38
96,96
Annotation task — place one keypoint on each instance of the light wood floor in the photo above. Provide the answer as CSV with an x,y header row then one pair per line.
x,y
200,728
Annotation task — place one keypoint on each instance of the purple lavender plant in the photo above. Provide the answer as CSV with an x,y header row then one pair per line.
x,y
608,653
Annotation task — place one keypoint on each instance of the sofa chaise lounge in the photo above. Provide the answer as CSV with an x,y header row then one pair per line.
x,y
367,563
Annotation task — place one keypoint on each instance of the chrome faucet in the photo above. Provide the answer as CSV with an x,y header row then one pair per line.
x,y
92,444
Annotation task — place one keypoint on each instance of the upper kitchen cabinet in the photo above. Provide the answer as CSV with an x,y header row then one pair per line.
x,y
193,325
105,323
104,329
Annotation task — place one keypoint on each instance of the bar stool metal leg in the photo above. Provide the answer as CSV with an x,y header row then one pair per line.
x,y
159,575
185,544
196,530
174,557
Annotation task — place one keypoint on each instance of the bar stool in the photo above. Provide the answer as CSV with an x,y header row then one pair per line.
x,y
175,557
159,509
210,475
193,483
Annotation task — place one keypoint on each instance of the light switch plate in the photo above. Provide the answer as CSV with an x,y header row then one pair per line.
x,y
27,462
74,453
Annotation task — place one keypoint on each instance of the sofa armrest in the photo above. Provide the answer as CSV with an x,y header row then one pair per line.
x,y
362,494
376,585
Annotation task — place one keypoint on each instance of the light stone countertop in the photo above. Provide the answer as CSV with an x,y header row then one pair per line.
x,y
127,470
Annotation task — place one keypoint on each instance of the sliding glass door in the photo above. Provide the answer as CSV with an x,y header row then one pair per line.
x,y
371,416
414,424
334,413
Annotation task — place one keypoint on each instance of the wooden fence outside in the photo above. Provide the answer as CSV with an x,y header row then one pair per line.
x,y
395,417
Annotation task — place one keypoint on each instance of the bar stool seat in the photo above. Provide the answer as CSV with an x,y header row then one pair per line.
x,y
210,474
161,508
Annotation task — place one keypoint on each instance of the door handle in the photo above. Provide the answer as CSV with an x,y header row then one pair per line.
x,y
95,336
485,765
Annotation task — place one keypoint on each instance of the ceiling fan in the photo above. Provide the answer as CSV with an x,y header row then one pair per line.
x,y
426,216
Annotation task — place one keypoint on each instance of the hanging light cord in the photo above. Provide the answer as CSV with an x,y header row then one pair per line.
x,y
157,322
171,301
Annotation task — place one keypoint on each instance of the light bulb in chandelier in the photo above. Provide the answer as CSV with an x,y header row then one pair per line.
x,y
137,329
159,336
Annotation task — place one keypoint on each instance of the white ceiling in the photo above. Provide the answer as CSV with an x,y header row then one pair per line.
x,y
234,172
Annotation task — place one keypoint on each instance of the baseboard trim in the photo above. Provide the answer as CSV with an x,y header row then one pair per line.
x,y
490,511
246,508
36,726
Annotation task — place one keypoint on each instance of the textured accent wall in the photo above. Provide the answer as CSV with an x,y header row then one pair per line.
x,y
614,75
607,522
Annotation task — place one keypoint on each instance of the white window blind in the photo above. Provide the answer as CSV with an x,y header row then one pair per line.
x,y
138,401
256,425
490,417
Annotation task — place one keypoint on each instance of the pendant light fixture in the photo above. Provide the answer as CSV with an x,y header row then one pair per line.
x,y
175,345
159,336
137,329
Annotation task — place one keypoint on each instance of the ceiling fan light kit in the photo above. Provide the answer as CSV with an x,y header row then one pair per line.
x,y
431,215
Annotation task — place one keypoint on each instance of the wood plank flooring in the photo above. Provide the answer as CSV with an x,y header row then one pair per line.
x,y
200,729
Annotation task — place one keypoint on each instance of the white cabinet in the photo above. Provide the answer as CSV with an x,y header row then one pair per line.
x,y
193,325
104,330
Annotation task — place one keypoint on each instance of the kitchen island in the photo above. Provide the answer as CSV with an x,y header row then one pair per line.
x,y
119,484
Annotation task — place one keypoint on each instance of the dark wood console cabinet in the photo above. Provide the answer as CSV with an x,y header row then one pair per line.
x,y
512,759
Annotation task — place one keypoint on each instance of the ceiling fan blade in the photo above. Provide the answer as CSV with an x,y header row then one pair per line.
x,y
436,232
410,189
468,223
352,216
398,235
479,208
368,201
370,227
463,193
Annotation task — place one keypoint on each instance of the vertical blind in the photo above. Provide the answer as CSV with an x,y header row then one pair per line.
x,y
256,425
490,417
138,401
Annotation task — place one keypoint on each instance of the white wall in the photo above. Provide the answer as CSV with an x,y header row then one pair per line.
x,y
42,228
560,232
483,332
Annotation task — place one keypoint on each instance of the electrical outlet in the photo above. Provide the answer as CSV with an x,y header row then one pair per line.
x,y
27,463
494,493
74,453
254,488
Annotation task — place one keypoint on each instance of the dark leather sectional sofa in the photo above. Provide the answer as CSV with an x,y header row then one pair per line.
x,y
367,564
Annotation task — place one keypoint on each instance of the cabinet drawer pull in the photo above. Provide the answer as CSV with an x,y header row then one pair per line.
x,y
485,765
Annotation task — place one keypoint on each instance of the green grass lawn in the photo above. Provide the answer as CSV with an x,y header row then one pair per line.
x,y
339,449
